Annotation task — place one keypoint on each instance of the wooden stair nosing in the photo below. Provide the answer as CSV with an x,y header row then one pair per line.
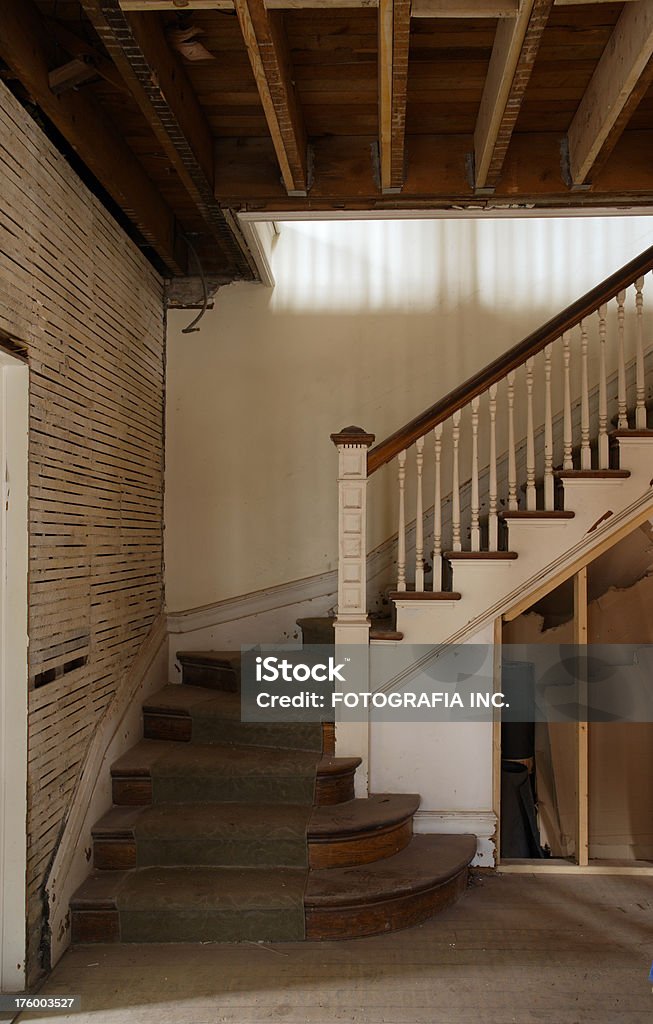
x,y
480,556
591,474
527,514
424,595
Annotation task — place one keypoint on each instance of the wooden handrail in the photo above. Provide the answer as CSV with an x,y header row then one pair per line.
x,y
510,360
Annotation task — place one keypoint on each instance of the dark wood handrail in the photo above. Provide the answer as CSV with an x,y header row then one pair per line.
x,y
510,360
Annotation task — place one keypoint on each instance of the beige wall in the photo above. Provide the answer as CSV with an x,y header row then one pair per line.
x,y
87,309
369,323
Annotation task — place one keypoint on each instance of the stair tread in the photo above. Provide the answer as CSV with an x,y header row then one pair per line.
x,y
228,759
165,888
204,821
427,861
363,814
244,819
591,474
537,514
480,556
184,697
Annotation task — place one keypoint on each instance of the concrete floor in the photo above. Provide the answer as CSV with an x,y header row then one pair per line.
x,y
559,949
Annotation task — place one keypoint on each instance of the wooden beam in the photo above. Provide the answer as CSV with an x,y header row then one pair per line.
x,y
394,37
67,76
421,8
269,57
513,55
157,80
83,51
24,44
619,82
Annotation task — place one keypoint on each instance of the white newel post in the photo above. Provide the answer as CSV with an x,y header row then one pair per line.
x,y
352,627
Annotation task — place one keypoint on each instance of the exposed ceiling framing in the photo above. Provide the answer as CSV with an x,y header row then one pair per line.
x,y
191,111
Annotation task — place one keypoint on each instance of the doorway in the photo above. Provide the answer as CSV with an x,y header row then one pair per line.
x,y
14,425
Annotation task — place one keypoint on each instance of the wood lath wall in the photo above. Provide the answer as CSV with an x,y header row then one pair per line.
x,y
89,309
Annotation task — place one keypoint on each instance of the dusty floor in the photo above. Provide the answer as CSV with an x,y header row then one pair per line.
x,y
523,948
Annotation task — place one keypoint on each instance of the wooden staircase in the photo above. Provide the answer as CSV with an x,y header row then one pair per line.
x,y
210,836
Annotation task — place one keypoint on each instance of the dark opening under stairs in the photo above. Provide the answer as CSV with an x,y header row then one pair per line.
x,y
229,831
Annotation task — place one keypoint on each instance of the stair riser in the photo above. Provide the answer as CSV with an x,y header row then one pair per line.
x,y
385,916
110,855
91,926
211,677
122,853
180,728
137,792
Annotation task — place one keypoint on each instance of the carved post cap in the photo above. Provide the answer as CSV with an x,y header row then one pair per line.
x,y
353,436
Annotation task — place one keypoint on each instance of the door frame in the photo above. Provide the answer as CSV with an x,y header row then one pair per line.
x,y
14,437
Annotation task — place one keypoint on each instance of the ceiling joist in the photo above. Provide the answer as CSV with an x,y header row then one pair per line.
x,y
157,80
24,43
267,47
619,82
515,48
394,38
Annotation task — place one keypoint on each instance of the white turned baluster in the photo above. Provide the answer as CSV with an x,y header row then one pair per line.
x,y
493,520
531,503
567,461
513,504
475,535
401,537
549,489
437,512
419,519
604,446
455,496
585,452
622,422
640,404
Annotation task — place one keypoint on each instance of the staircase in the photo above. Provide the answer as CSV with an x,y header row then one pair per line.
x,y
223,830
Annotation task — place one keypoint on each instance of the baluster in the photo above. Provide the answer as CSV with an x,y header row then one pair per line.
x,y
549,487
419,519
437,512
401,537
622,422
585,451
567,460
531,503
513,504
604,445
455,496
493,520
640,405
475,536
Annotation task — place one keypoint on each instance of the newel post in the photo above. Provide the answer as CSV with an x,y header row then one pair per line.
x,y
352,626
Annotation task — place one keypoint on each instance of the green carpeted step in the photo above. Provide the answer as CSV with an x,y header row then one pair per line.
x,y
196,773
216,670
212,717
192,904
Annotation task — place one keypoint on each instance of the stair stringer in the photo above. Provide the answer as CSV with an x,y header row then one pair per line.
x,y
548,553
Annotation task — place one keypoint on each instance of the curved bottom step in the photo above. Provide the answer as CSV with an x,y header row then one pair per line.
x,y
424,878
213,904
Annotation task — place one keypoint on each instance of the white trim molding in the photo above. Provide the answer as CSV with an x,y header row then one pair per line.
x,y
482,824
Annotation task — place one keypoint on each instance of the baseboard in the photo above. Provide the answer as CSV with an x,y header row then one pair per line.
x,y
119,729
482,824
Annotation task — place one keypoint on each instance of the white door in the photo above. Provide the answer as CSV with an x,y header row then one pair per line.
x,y
14,389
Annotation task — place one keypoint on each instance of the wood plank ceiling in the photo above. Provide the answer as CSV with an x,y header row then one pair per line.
x,y
188,111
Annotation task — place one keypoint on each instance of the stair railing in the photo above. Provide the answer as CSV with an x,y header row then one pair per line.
x,y
556,391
